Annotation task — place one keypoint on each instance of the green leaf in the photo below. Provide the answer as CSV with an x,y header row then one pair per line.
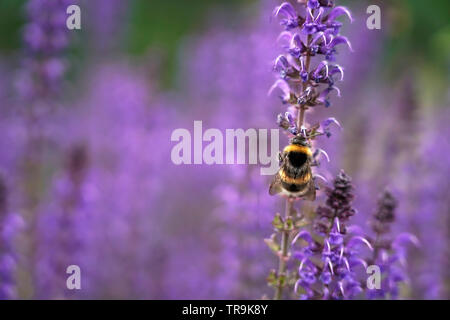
x,y
289,225
272,243
272,278
278,222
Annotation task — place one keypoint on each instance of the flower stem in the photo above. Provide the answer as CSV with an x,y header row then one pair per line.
x,y
290,202
284,256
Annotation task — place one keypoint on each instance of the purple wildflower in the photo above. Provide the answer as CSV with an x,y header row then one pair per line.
x,y
334,245
316,34
389,254
46,37
291,17
59,225
304,86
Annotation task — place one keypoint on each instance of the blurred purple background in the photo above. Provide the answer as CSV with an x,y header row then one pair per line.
x,y
85,171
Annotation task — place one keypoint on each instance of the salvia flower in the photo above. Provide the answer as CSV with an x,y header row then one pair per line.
x,y
291,17
45,37
315,32
389,253
60,226
330,254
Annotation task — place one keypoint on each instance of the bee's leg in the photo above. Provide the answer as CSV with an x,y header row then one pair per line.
x,y
280,158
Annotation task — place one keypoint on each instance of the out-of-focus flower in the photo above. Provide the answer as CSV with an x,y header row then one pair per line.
x,y
389,254
46,37
10,225
61,227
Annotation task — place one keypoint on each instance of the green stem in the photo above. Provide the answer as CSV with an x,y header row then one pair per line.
x,y
285,246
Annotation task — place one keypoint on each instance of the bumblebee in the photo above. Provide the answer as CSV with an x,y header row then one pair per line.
x,y
294,178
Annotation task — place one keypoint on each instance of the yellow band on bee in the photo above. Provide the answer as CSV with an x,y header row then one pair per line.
x,y
297,148
300,180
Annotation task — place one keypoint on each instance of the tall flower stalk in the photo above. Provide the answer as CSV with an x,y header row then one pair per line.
x,y
389,252
38,84
311,33
330,253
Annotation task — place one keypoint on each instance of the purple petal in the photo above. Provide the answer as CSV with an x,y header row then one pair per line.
x,y
305,235
320,177
317,37
285,36
309,16
330,265
356,261
319,15
281,63
338,11
325,277
336,238
321,151
323,64
404,239
313,4
358,240
340,40
354,229
296,40
338,69
326,123
283,85
286,9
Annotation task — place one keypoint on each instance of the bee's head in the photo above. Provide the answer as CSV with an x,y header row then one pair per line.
x,y
300,140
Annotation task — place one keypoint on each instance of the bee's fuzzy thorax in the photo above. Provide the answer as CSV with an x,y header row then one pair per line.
x,y
298,148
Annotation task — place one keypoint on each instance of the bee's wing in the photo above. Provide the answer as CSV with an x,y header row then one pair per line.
x,y
275,185
311,193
